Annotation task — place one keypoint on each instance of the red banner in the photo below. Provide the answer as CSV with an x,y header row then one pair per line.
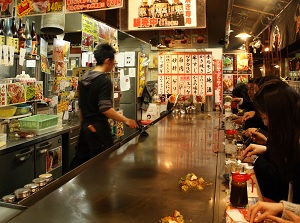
x,y
88,5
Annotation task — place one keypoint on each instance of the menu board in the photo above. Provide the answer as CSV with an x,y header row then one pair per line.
x,y
185,74
236,69
38,7
81,6
95,32
162,14
61,50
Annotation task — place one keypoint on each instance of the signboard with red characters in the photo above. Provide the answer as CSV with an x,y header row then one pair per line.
x,y
38,7
162,14
6,8
80,6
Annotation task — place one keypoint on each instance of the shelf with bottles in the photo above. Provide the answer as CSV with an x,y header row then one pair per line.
x,y
23,37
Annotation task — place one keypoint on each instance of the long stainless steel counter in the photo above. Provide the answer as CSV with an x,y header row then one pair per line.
x,y
138,182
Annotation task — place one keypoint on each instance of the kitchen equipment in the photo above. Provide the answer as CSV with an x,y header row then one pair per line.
x,y
40,181
48,157
47,176
9,198
22,193
33,187
238,192
22,109
7,111
38,121
40,131
16,169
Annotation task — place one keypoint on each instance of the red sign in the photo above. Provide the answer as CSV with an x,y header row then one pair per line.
x,y
91,5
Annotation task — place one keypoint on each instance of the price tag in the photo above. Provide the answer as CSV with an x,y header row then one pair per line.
x,y
30,63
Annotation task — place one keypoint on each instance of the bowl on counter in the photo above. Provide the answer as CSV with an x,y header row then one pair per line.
x,y
23,109
7,111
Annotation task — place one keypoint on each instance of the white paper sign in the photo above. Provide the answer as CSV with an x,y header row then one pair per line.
x,y
22,56
120,59
131,71
125,83
129,59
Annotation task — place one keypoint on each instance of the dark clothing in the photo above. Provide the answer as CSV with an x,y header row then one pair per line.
x,y
95,95
271,184
255,122
247,105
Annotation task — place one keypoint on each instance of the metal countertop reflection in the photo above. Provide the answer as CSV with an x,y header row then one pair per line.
x,y
138,182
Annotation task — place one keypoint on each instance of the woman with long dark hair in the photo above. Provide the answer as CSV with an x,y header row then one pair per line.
x,y
277,167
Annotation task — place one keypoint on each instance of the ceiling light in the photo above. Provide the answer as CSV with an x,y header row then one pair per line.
x,y
242,47
276,66
267,49
243,35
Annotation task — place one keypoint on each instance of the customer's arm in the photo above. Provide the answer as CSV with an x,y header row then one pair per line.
x,y
266,210
261,210
295,208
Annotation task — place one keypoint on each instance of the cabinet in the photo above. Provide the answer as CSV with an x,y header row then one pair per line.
x,y
69,153
21,166
16,169
48,157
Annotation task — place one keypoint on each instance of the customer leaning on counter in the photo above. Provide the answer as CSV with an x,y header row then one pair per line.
x,y
95,103
290,212
260,211
277,166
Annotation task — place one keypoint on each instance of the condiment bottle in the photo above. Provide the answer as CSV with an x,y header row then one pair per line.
x,y
8,35
34,44
238,192
22,37
28,41
2,36
15,35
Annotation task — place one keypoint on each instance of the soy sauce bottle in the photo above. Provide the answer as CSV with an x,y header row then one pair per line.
x,y
2,36
15,35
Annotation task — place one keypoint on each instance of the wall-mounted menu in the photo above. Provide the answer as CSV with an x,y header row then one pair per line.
x,y
237,67
185,74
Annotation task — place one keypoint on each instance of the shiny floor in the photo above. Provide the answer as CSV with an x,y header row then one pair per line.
x,y
139,181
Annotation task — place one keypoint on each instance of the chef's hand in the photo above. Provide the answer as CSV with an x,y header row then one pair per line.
x,y
293,218
263,210
254,149
131,123
248,115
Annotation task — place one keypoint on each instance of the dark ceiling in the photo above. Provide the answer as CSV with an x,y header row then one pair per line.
x,y
252,17
224,20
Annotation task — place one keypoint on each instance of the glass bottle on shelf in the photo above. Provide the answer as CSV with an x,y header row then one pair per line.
x,y
28,41
2,36
15,35
22,37
34,39
8,35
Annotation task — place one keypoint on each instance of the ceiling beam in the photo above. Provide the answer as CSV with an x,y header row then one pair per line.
x,y
253,10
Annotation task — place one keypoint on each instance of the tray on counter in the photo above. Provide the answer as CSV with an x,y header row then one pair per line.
x,y
40,131
38,122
